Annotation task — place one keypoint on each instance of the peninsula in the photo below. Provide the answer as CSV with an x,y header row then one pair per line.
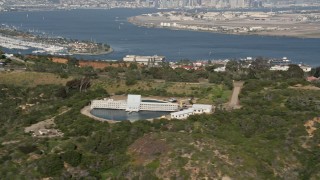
x,y
12,38
302,24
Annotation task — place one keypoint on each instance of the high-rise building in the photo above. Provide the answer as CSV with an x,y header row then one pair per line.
x,y
237,4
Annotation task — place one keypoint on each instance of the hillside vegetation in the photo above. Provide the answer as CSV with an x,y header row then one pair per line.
x,y
273,136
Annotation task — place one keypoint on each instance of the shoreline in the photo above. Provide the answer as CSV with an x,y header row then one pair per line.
x,y
94,54
86,111
262,34
235,23
22,40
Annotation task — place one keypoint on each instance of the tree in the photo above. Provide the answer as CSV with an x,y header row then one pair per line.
x,y
260,64
72,157
215,78
79,84
295,71
233,66
133,66
51,165
317,72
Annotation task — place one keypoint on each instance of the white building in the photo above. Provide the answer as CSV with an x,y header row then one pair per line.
x,y
286,68
149,106
279,68
8,55
164,24
220,69
134,103
182,114
146,60
195,109
108,104
202,108
305,68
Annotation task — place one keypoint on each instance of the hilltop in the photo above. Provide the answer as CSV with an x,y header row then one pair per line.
x,y
274,134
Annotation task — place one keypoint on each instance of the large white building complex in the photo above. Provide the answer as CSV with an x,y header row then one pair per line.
x,y
134,103
195,109
146,60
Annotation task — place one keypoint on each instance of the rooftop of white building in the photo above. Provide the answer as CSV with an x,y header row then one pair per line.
x,y
202,106
133,101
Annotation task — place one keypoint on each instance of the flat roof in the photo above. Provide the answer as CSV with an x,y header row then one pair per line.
x,y
202,106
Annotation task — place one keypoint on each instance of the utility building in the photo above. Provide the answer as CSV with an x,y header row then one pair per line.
x,y
196,109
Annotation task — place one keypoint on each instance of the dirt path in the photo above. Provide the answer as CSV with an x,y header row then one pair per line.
x,y
234,101
47,124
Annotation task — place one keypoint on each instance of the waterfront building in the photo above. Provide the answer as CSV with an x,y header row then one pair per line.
x,y
145,60
108,104
134,103
282,61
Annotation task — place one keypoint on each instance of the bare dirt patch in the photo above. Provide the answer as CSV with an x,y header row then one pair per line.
x,y
45,128
310,126
147,148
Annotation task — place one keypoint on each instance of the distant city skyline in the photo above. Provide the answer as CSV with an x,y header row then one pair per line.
x,y
218,4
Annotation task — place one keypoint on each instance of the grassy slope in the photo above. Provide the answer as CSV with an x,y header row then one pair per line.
x,y
205,92
31,79
261,141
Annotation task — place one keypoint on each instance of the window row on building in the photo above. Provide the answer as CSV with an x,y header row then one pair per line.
x,y
159,106
108,104
133,103
196,109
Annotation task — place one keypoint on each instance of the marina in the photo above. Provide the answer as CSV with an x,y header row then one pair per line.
x,y
18,44
13,39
